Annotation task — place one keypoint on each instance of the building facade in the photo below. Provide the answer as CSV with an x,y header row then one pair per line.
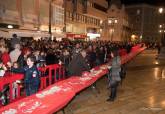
x,y
31,16
77,18
82,17
145,20
96,18
116,26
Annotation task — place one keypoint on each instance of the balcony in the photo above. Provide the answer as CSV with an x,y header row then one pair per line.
x,y
8,16
30,18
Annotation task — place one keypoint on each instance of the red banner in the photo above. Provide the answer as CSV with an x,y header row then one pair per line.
x,y
76,36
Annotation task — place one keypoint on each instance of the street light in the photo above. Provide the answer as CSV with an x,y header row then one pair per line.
x,y
116,20
162,32
109,21
162,22
101,21
161,10
101,30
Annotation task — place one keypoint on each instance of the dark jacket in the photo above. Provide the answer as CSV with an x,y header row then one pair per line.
x,y
14,41
91,56
101,56
31,75
51,58
77,65
21,61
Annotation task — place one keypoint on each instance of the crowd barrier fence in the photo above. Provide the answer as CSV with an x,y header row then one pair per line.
x,y
57,95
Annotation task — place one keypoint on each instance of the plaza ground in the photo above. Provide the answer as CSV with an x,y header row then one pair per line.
x,y
142,92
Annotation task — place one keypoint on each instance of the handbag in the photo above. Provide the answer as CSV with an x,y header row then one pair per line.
x,y
116,70
122,72
111,81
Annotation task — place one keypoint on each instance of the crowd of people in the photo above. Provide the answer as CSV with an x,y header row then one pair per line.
x,y
154,45
77,56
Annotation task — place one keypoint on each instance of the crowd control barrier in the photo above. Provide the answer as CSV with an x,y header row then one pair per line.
x,y
58,95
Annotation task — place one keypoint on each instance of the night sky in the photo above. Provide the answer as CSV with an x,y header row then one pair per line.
x,y
153,2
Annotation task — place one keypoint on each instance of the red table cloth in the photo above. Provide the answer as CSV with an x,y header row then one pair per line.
x,y
47,101
59,94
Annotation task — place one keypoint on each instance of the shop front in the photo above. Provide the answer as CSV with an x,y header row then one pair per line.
x,y
76,36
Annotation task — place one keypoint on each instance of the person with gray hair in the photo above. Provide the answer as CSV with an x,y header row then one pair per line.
x,y
15,53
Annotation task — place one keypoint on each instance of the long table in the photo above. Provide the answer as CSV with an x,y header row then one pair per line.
x,y
58,95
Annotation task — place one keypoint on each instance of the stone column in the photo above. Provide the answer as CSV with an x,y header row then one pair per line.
x,y
37,12
19,9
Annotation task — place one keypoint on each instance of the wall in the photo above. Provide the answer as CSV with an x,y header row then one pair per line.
x,y
145,21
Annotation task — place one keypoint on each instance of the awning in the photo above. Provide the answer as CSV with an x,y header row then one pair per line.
x,y
27,33
22,33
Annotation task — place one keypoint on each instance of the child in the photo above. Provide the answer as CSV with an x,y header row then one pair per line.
x,y
15,84
31,79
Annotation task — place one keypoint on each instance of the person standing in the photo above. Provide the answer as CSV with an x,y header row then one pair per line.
x,y
15,40
15,53
114,75
91,56
101,55
5,55
31,79
78,64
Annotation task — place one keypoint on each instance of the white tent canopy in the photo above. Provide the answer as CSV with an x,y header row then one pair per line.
x,y
22,33
25,33
7,33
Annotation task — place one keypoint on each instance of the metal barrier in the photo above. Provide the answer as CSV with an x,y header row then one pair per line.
x,y
48,75
54,73
51,74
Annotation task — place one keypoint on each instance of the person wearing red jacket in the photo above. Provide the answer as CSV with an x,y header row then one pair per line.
x,y
5,55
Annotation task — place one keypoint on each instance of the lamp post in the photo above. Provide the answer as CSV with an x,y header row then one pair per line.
x,y
65,6
162,32
161,10
50,18
162,25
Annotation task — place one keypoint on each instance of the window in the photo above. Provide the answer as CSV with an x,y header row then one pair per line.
x,y
58,15
138,12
